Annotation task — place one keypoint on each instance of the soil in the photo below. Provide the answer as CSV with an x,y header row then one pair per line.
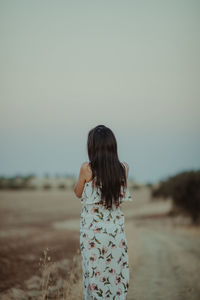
x,y
164,250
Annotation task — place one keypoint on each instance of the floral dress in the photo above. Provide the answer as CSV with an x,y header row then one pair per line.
x,y
103,248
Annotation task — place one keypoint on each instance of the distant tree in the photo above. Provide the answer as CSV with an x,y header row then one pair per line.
x,y
149,184
184,189
136,186
47,186
62,186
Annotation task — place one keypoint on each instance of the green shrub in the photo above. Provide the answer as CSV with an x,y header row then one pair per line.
x,y
184,189
136,186
17,182
47,186
149,185
62,186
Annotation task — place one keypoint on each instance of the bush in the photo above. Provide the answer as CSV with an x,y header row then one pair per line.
x,y
184,189
47,186
136,186
17,182
149,185
62,186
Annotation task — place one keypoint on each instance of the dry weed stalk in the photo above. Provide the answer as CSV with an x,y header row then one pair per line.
x,y
71,287
45,268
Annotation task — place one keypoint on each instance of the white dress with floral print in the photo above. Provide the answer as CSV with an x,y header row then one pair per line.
x,y
103,247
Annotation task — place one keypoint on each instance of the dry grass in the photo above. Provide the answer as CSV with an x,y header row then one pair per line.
x,y
69,288
60,280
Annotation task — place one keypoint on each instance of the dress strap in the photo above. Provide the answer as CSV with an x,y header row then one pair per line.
x,y
124,165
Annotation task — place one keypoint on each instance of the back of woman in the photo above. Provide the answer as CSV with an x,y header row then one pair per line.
x,y
103,243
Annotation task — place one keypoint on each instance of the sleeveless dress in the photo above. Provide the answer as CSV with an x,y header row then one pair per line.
x,y
103,248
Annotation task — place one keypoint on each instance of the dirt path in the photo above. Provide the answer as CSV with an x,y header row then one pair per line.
x,y
164,252
167,268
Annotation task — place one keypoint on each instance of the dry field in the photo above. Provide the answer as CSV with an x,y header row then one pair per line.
x,y
39,248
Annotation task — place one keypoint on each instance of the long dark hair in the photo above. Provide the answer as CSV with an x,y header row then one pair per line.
x,y
109,173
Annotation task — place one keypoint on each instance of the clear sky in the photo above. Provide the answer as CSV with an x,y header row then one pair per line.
x,y
67,66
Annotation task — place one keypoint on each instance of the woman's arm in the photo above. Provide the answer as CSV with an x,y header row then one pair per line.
x,y
79,186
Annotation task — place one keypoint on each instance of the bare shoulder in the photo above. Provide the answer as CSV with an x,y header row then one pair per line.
x,y
86,169
85,166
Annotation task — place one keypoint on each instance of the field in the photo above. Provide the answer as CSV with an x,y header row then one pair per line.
x,y
39,247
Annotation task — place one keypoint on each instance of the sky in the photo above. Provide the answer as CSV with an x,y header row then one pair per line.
x,y
68,66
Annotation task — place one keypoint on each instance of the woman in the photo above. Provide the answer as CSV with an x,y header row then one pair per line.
x,y
102,187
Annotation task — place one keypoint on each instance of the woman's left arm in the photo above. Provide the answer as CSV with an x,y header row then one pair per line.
x,y
79,186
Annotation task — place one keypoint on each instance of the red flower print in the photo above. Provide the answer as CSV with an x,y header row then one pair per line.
x,y
104,250
85,236
122,243
97,229
112,271
108,260
91,245
94,210
123,264
119,292
93,257
97,273
127,284
103,279
94,287
118,279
